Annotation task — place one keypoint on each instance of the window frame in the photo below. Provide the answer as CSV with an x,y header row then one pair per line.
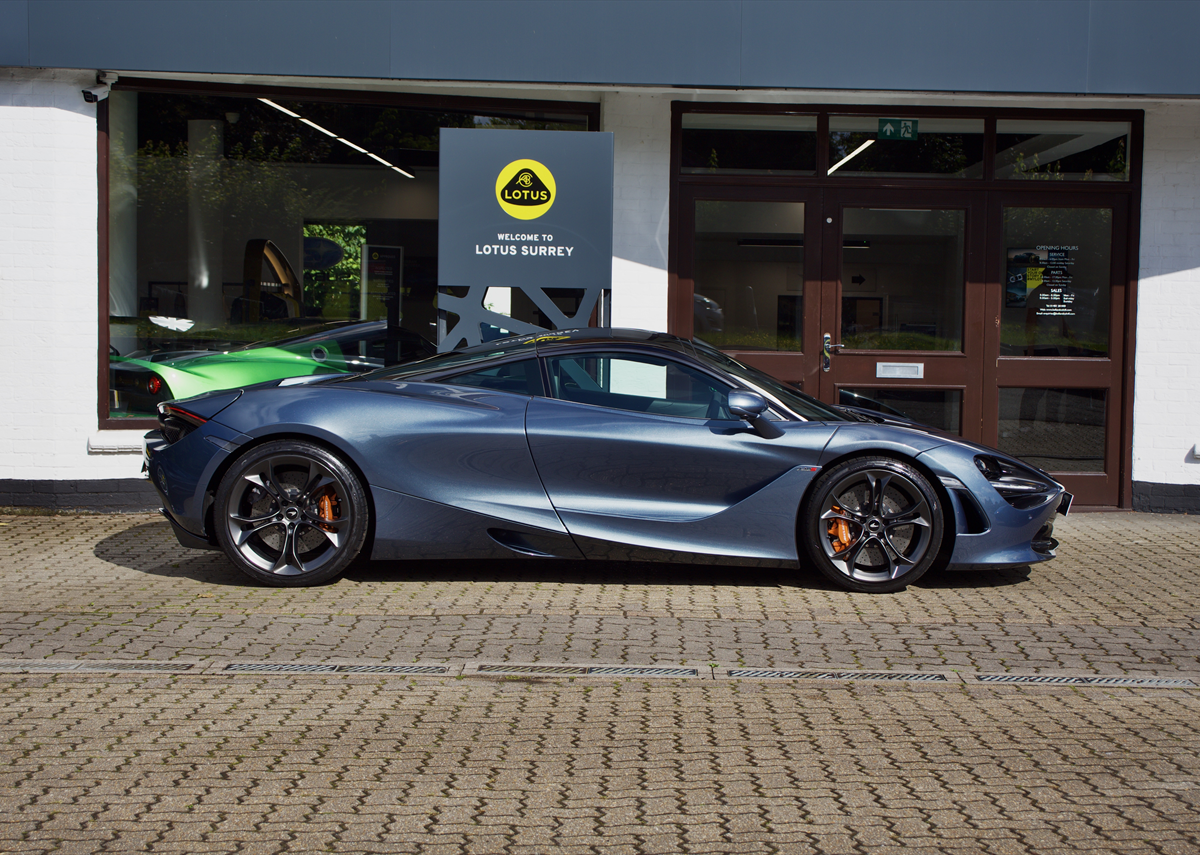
x,y
445,103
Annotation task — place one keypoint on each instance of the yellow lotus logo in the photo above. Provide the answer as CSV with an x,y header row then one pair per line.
x,y
525,189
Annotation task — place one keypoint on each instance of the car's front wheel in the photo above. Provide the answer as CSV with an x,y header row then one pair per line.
x,y
291,513
872,524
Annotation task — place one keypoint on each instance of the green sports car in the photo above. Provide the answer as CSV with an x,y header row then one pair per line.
x,y
139,384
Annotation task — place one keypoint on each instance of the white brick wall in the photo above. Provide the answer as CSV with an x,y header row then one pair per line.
x,y
641,126
48,270
1166,413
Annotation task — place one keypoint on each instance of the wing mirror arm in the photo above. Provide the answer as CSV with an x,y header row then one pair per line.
x,y
750,406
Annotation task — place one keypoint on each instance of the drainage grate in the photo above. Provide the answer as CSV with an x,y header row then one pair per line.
x,y
619,671
1045,680
759,673
43,667
568,670
278,667
63,667
392,669
133,666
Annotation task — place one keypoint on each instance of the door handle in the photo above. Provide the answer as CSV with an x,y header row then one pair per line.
x,y
827,349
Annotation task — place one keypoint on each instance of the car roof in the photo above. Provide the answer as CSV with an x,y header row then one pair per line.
x,y
550,340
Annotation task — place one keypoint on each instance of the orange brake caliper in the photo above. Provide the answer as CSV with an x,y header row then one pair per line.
x,y
325,507
839,532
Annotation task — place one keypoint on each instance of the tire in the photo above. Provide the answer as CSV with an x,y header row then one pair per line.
x,y
291,513
872,524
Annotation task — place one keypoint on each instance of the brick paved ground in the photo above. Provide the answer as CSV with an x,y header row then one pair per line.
x,y
210,761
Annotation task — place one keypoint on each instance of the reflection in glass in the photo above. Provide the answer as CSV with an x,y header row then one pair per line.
x,y
241,219
950,148
939,408
1063,151
1057,269
902,279
745,144
1059,430
749,275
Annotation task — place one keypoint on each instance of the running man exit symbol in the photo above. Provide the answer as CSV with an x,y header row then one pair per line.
x,y
897,129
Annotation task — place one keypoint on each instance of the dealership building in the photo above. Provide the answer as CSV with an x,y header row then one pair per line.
x,y
984,216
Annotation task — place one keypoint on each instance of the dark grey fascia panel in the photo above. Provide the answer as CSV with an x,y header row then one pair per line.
x,y
347,38
666,42
1074,47
14,32
1147,46
917,45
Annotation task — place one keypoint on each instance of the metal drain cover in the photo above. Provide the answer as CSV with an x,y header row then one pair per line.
x,y
392,669
559,670
768,674
279,668
1047,680
133,666
619,671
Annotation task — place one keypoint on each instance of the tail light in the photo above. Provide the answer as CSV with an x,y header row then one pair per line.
x,y
154,385
176,422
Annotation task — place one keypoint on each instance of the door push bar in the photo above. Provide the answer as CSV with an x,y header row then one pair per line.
x,y
827,348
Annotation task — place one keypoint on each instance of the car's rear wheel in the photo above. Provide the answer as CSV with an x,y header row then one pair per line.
x,y
872,524
291,513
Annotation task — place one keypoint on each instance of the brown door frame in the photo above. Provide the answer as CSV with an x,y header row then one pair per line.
x,y
1100,489
943,370
791,366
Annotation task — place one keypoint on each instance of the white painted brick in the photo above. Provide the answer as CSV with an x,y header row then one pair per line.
x,y
1166,404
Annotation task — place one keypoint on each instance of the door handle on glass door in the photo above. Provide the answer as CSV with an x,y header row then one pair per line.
x,y
827,348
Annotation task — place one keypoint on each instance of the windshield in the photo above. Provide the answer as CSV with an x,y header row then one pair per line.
x,y
802,405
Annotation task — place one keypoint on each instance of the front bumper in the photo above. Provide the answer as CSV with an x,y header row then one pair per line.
x,y
989,531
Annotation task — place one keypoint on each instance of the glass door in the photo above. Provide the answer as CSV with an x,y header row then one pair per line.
x,y
755,280
904,319
1058,398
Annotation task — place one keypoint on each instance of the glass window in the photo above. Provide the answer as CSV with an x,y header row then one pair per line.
x,y
950,148
939,408
748,275
1064,151
1059,430
637,383
521,378
1057,281
748,145
237,220
902,278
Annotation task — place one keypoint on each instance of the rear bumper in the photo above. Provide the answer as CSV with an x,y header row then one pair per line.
x,y
184,473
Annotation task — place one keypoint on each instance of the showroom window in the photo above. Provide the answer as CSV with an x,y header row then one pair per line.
x,y
239,220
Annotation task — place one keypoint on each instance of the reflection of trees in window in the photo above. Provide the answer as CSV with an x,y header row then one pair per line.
x,y
930,153
333,292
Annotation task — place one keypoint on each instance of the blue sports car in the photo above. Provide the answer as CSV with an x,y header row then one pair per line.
x,y
592,443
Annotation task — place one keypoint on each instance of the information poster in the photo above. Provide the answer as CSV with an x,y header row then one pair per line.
x,y
1039,278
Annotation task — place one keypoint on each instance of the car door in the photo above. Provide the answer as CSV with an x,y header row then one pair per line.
x,y
642,450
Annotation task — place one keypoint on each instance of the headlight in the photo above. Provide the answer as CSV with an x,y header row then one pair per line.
x,y
1021,486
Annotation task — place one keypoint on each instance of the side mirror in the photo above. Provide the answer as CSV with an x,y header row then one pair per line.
x,y
747,405
750,406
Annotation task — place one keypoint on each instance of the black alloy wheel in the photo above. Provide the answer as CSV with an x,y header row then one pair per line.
x,y
872,524
291,513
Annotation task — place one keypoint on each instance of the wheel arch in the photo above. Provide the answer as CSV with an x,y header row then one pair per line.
x,y
343,454
949,515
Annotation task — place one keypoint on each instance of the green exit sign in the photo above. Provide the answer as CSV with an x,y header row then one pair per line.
x,y
897,129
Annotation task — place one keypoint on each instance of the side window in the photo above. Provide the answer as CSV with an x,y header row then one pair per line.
x,y
637,383
521,378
